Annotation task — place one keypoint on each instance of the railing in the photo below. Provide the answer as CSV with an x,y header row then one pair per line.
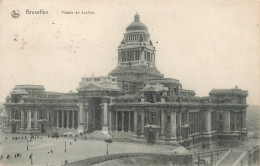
x,y
180,159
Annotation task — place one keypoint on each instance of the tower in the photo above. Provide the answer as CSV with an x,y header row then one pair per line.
x,y
136,58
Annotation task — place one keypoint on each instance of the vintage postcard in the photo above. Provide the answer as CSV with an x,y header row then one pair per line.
x,y
160,82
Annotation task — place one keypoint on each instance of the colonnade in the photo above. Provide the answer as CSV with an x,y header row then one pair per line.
x,y
66,119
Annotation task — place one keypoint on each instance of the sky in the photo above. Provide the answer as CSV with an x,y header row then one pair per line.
x,y
204,44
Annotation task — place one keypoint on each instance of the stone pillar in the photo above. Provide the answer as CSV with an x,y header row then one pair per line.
x,y
105,114
135,122
58,119
68,118
226,121
207,121
62,118
22,118
86,120
235,121
180,124
129,121
29,120
123,121
142,123
110,120
35,119
162,123
10,117
173,125
116,121
47,118
187,117
243,119
73,119
80,117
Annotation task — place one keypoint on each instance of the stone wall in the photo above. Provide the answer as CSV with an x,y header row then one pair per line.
x,y
176,158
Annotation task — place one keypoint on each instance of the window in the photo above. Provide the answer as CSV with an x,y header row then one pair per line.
x,y
220,116
220,126
168,119
153,118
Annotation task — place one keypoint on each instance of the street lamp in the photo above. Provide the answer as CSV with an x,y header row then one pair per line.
x,y
65,146
107,148
27,144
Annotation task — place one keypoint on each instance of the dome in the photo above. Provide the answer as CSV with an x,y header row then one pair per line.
x,y
136,25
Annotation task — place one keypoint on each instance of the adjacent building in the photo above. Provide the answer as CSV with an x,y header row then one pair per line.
x,y
134,98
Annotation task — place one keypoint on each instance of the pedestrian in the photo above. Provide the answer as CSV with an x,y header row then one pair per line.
x,y
48,152
22,137
30,140
70,143
8,156
14,155
1,157
6,138
25,137
51,150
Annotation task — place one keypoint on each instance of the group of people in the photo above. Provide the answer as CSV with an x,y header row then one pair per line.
x,y
16,155
25,137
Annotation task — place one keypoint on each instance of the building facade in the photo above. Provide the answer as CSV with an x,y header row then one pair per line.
x,y
135,98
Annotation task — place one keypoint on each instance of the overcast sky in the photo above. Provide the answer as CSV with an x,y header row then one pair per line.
x,y
203,44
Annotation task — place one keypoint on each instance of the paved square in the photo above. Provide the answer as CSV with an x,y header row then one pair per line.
x,y
78,150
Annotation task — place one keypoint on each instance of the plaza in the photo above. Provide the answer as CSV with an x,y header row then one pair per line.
x,y
78,150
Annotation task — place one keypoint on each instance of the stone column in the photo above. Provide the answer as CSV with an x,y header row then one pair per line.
x,y
35,119
142,123
22,118
123,121
105,114
62,119
86,119
58,119
180,124
226,121
73,119
10,117
187,117
48,118
135,122
235,121
116,121
162,123
173,125
243,119
207,121
129,121
68,112
110,120
29,120
80,116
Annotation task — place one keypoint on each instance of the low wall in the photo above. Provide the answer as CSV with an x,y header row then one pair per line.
x,y
177,159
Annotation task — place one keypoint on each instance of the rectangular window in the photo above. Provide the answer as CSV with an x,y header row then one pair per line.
x,y
220,116
168,119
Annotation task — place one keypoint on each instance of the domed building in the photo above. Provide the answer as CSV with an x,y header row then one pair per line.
x,y
135,102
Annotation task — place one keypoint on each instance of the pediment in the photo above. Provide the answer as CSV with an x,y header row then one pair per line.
x,y
92,86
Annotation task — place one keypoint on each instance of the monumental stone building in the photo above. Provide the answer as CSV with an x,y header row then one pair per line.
x,y
133,98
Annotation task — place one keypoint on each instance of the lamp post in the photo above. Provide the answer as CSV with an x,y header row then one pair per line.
x,y
65,146
27,144
107,149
